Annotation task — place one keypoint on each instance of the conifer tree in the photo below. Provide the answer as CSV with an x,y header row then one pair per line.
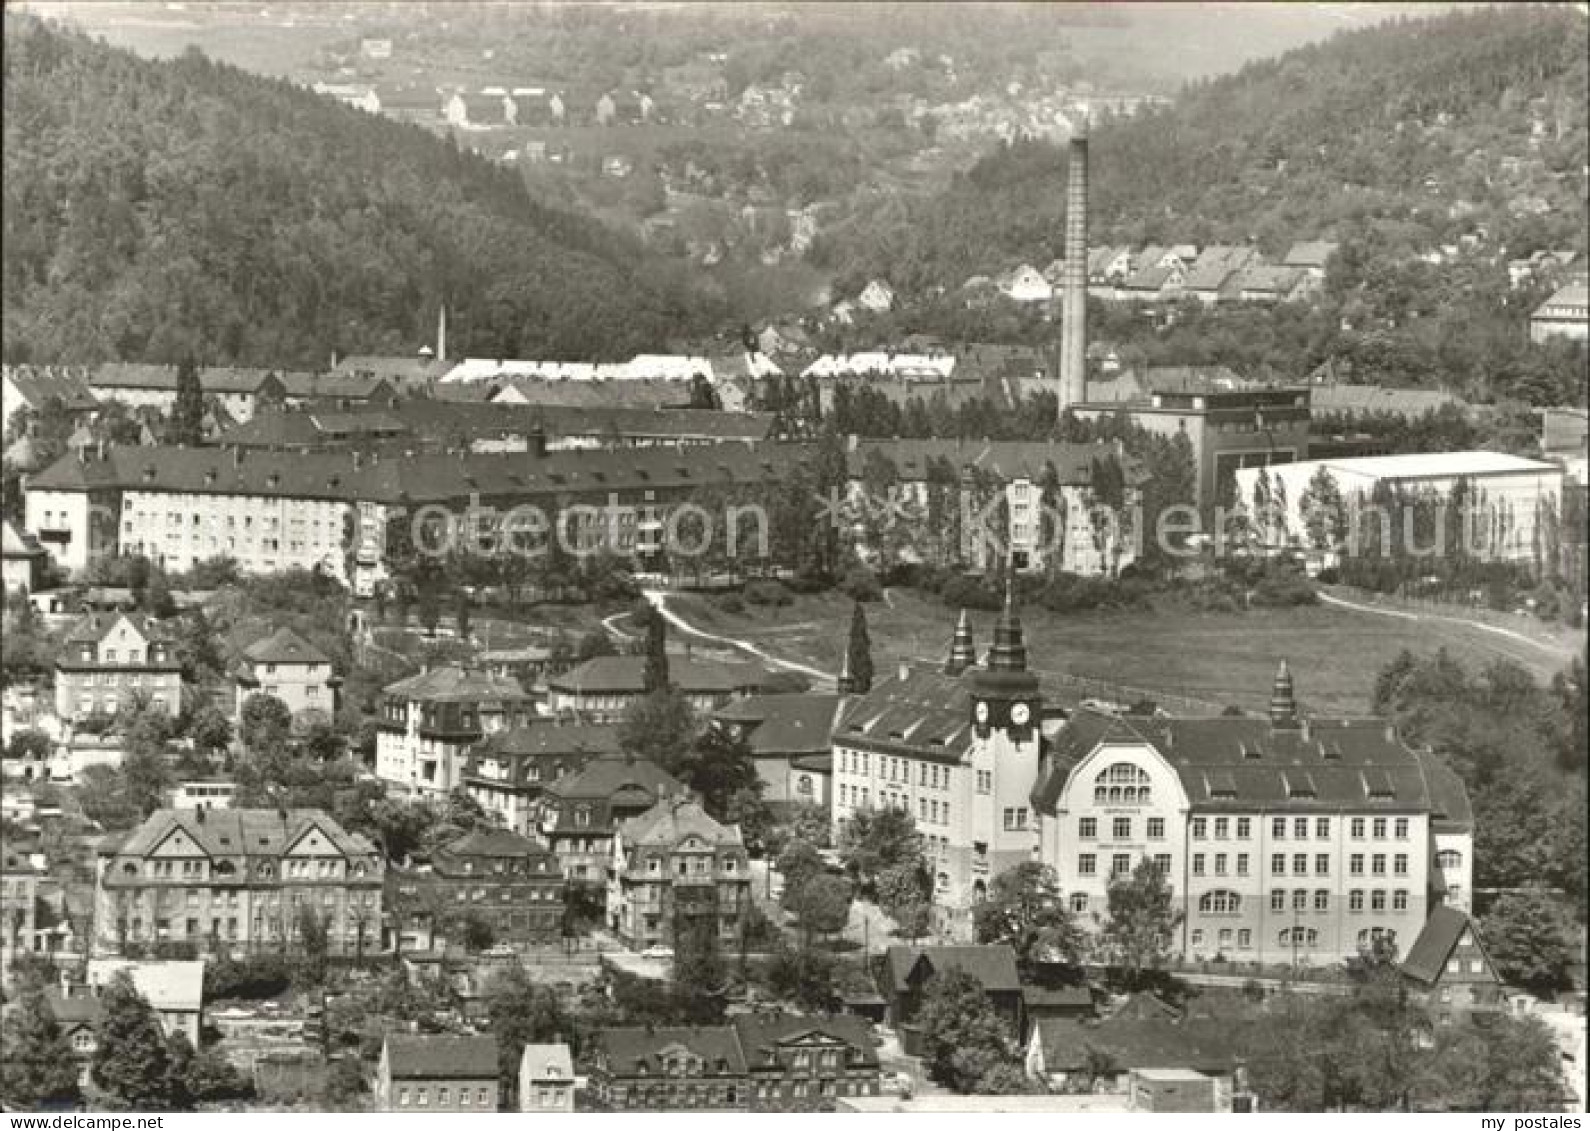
x,y
132,1061
655,677
36,1065
187,414
859,651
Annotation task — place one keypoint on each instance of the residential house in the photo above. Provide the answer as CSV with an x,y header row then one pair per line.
x,y
507,771
437,1073
508,882
675,870
581,811
546,1079
203,793
1025,284
796,1063
603,688
670,1068
1287,839
1209,278
877,296
108,661
909,969
1566,314
237,880
287,667
1451,969
789,736
1312,257
174,989
1271,284
79,1013
1106,1053
239,391
22,560
33,387
1154,284
430,722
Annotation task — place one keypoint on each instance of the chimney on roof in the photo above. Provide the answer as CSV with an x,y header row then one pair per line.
x,y
1074,270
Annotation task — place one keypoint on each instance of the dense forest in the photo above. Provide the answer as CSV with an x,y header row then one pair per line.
x,y
157,208
1402,136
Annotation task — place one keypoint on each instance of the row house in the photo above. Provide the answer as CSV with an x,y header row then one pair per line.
x,y
237,880
336,511
111,661
759,1062
431,1072
240,392
675,871
1034,505
430,722
508,770
959,749
580,813
1285,839
287,667
507,882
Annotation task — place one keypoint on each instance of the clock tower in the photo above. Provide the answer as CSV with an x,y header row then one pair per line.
x,y
1004,693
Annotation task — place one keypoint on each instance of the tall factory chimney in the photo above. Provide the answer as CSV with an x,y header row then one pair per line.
x,y
1074,277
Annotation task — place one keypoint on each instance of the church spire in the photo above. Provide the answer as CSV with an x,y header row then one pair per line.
x,y
1283,700
963,651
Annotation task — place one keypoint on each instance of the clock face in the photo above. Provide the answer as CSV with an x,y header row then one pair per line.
x,y
981,712
1020,713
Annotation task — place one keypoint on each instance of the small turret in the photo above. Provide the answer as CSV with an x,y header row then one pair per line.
x,y
846,684
963,651
1283,701
1009,653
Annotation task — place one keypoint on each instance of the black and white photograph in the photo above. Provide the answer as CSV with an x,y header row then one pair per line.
x,y
644,557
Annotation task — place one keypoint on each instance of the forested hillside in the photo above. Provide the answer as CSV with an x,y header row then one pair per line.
x,y
1404,135
152,208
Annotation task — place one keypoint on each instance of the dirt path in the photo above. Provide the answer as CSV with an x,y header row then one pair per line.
x,y
1545,647
659,600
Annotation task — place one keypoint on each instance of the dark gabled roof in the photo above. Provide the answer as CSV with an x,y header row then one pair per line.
x,y
493,842
1202,1044
1450,811
336,385
94,627
631,1050
761,1033
590,394
626,675
17,543
927,713
79,1009
1277,279
1241,763
284,646
605,777
1005,459
784,724
994,967
1058,997
1443,930
1309,253
673,819
237,832
37,384
544,739
441,1058
453,684
214,379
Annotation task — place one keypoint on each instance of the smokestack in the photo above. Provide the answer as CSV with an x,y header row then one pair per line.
x,y
1074,276
441,333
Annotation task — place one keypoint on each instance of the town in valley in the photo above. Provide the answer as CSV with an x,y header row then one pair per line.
x,y
780,558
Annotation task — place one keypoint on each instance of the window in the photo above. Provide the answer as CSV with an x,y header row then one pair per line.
x,y
1244,938
1079,902
1401,828
423,1097
1121,828
1200,828
444,1096
1198,864
1358,828
1380,828
463,1097
1355,864
1300,828
1156,828
1278,899
1120,864
1086,864
1244,828
1399,900
1222,828
1242,863
1278,864
1377,864
1322,827
1220,903
1197,938
1225,938
1162,863
1278,828
1299,900
1300,864
1322,900
1322,864
1448,859
1355,901
1088,828
403,1097
1399,864
1220,863
1377,901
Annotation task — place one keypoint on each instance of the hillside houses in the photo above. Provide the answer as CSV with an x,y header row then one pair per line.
x,y
1160,273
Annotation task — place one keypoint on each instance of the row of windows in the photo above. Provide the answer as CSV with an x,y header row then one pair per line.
x,y
1120,828
1322,900
444,1097
1220,862
890,768
1288,936
1299,827
1120,864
